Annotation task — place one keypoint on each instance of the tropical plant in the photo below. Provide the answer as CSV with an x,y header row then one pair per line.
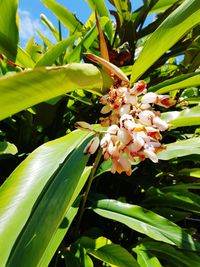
x,y
66,198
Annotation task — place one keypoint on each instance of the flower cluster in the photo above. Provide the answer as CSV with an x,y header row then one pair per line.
x,y
133,126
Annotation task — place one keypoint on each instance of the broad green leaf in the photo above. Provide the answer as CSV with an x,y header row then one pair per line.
x,y
114,255
172,214
180,82
102,11
180,149
28,88
177,199
164,4
193,172
184,187
90,243
170,254
186,117
42,196
146,222
55,51
23,59
86,42
7,148
145,258
65,16
69,216
9,28
178,23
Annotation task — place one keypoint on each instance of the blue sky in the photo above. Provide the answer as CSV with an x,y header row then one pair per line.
x,y
29,13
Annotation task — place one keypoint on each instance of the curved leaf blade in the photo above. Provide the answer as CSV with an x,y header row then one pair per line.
x,y
187,117
28,88
146,222
183,81
178,23
65,16
32,191
56,50
9,28
180,149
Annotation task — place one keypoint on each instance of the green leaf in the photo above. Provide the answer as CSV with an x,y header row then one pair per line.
x,y
8,28
23,59
194,172
56,50
102,11
86,42
146,222
41,190
7,148
50,25
26,89
164,4
114,255
177,199
63,228
178,23
180,82
145,258
180,149
65,16
170,254
186,117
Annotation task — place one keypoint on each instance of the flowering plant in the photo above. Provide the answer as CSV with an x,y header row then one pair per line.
x,y
133,126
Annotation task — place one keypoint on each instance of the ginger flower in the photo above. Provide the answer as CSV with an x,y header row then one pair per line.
x,y
133,124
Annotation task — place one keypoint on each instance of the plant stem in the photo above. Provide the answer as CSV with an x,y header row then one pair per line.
x,y
85,195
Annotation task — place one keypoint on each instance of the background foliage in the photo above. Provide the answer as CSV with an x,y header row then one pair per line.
x,y
148,219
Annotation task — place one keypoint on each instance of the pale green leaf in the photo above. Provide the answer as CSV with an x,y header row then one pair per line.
x,y
178,23
41,190
7,148
8,28
187,117
180,149
145,258
180,82
28,88
146,222
56,50
102,11
65,16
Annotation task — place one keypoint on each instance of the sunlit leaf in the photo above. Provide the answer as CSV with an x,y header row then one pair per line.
x,y
180,82
7,148
9,28
65,16
178,23
146,222
187,117
41,190
26,89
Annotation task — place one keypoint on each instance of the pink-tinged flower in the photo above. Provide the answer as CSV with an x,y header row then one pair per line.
x,y
113,129
149,98
149,153
120,165
164,101
125,109
138,88
146,117
127,122
83,126
160,124
124,136
106,109
92,146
